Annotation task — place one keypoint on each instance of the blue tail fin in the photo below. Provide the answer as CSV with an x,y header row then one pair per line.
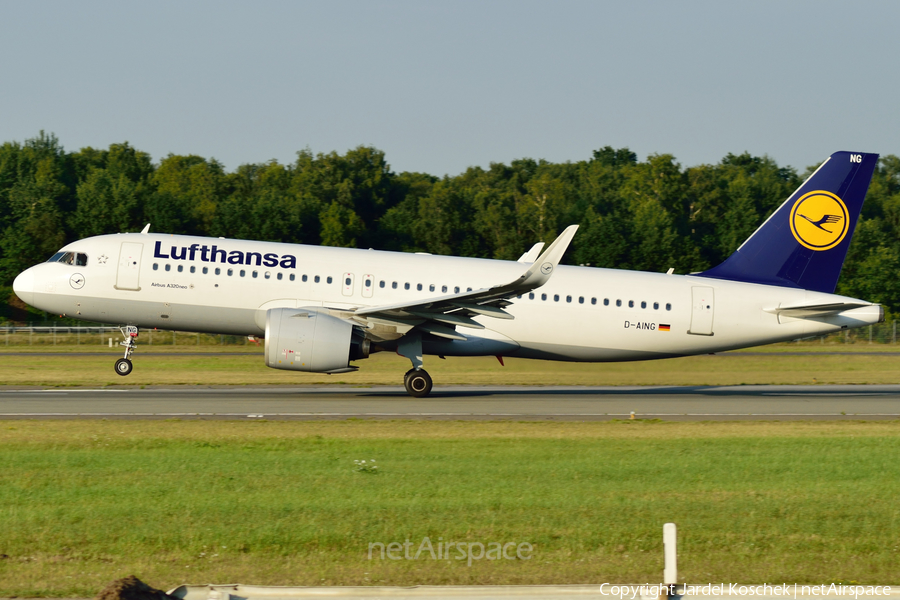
x,y
804,243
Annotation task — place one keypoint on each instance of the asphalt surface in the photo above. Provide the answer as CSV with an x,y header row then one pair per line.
x,y
693,403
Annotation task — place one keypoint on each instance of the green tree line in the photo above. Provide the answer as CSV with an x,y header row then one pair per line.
x,y
644,215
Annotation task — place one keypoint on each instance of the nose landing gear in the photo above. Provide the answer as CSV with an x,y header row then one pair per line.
x,y
124,365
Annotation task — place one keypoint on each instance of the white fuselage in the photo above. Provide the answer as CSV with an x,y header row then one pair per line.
x,y
581,314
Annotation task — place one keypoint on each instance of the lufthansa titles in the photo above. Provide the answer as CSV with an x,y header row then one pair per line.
x,y
215,254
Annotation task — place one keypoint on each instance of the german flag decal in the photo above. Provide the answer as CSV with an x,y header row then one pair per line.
x,y
664,327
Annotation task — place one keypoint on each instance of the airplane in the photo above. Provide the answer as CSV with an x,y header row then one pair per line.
x,y
321,308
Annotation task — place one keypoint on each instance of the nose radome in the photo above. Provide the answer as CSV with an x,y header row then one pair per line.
x,y
23,286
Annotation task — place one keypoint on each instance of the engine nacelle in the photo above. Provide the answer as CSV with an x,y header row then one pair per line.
x,y
300,339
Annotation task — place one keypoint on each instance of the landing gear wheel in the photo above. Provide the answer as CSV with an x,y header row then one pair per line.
x,y
418,383
123,366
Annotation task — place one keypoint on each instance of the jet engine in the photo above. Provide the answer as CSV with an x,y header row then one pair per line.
x,y
301,339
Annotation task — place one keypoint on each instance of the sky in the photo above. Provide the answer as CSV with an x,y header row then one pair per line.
x,y
442,86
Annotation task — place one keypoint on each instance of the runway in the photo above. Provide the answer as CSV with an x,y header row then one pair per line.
x,y
689,403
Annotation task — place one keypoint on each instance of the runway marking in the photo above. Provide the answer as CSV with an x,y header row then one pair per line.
x,y
603,391
829,394
258,415
54,391
80,391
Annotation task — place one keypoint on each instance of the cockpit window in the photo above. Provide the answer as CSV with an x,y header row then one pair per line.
x,y
77,259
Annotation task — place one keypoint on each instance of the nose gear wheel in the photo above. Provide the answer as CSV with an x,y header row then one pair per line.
x,y
124,366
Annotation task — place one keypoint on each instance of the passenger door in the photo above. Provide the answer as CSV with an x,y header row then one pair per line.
x,y
702,308
129,273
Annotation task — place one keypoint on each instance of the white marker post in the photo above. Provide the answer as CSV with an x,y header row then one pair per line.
x,y
670,571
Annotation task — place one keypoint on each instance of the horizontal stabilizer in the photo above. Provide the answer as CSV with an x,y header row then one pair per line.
x,y
815,310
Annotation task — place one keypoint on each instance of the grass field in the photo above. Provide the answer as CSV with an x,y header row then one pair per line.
x,y
172,365
85,502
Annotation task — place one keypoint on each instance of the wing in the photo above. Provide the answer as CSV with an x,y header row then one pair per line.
x,y
442,314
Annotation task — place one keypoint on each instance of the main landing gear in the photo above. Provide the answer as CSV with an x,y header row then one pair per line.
x,y
123,365
417,383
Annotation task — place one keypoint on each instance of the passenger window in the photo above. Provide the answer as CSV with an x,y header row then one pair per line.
x,y
168,267
580,299
568,298
594,301
368,283
606,302
556,297
394,286
444,288
347,281
468,289
618,303
155,267
656,306
180,268
643,304
431,288
381,283
631,304
531,295
316,279
193,269
255,274
456,290
543,296
267,274
304,279
229,272
205,270
419,287
243,273
218,272
279,276
406,286
291,277
328,279
668,306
